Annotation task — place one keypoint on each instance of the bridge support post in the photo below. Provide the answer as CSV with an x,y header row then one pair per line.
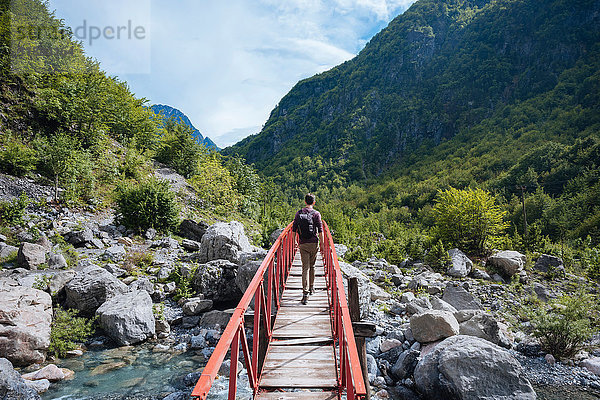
x,y
354,308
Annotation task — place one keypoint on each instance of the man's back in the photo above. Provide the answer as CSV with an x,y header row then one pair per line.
x,y
307,223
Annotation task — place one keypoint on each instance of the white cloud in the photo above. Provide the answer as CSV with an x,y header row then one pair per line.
x,y
227,64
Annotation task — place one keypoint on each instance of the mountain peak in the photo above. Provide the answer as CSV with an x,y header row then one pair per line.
x,y
172,112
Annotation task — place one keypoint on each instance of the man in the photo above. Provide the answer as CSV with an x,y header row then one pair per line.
x,y
307,223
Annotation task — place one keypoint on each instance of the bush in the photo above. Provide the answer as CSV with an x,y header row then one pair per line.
x,y
592,260
11,212
179,150
67,329
468,219
564,327
16,158
147,204
437,257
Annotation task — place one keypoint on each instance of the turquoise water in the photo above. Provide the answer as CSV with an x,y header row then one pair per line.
x,y
135,373
125,372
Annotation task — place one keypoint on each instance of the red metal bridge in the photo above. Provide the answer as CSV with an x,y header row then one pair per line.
x,y
298,351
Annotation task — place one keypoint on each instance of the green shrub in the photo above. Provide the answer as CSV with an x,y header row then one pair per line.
x,y
147,204
67,330
11,212
564,325
214,184
468,218
437,257
179,150
592,260
16,158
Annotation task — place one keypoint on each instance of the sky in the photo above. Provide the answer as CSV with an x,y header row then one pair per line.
x,y
225,64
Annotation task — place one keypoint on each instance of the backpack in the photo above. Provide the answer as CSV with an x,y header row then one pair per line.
x,y
306,225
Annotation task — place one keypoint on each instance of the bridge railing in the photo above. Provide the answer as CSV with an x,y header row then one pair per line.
x,y
276,266
350,375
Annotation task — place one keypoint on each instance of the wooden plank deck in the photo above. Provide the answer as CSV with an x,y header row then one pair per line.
x,y
301,356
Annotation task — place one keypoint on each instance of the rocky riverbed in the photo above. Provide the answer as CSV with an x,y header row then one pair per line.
x,y
160,303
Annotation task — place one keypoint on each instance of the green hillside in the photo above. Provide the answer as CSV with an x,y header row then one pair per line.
x,y
489,94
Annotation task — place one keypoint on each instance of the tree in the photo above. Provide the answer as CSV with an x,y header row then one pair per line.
x,y
468,218
58,155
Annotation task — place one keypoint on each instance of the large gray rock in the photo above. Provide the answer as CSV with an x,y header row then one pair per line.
x,y
405,365
128,318
12,386
433,325
25,318
214,318
460,299
461,265
192,230
470,368
91,287
114,253
483,325
57,261
224,241
364,287
245,274
196,306
216,281
80,237
546,263
31,255
508,262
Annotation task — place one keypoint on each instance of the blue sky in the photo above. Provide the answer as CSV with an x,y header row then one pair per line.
x,y
225,64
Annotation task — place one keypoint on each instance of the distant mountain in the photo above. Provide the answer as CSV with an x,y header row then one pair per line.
x,y
171,112
442,68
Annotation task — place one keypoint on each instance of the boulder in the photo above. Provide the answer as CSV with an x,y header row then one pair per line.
x,y
30,255
128,318
508,262
483,325
431,282
142,283
196,306
460,299
57,261
470,368
114,253
245,274
80,237
190,245
50,372
480,274
192,230
461,265
433,325
12,386
439,304
224,241
25,318
547,263
388,344
91,287
405,365
592,365
216,281
215,317
418,305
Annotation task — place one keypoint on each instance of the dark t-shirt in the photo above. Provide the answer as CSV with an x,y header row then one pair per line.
x,y
316,222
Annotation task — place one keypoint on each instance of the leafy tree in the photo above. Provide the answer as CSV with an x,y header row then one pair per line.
x,y
178,149
214,184
468,218
15,156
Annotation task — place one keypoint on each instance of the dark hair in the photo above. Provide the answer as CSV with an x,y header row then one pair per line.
x,y
309,199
